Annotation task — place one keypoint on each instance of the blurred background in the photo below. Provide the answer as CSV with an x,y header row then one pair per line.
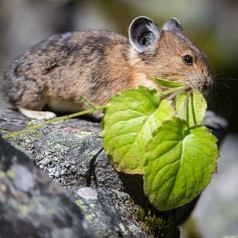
x,y
211,24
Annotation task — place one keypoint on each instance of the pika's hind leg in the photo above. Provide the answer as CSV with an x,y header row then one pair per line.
x,y
39,115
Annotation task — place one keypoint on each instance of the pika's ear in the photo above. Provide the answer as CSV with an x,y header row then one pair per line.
x,y
172,24
144,34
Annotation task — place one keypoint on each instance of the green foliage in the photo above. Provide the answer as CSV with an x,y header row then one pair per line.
x,y
167,83
158,225
160,136
129,122
191,106
178,164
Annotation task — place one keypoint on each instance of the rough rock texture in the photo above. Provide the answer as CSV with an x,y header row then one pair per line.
x,y
71,153
31,205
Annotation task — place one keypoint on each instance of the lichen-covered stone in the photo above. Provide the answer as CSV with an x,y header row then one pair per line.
x,y
31,205
70,152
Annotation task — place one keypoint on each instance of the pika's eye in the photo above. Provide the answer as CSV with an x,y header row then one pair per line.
x,y
188,59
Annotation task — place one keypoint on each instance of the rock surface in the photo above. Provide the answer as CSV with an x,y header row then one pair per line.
x,y
70,152
31,205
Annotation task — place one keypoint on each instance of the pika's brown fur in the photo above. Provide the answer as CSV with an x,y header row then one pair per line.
x,y
98,64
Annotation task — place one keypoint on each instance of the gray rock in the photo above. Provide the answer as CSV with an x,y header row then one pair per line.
x,y
70,152
31,205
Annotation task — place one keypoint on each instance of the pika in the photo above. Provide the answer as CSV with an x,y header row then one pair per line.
x,y
58,71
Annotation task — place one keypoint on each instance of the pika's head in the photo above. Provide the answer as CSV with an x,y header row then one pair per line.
x,y
169,54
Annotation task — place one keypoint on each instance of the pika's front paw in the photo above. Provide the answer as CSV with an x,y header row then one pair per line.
x,y
39,115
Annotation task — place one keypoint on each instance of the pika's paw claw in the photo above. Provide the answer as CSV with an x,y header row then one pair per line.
x,y
39,115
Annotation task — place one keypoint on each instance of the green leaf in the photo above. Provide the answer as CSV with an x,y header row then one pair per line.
x,y
179,163
129,122
168,83
191,107
181,105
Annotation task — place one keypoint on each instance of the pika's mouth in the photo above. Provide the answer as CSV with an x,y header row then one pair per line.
x,y
202,84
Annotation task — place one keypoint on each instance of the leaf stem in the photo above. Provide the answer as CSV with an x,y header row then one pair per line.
x,y
185,109
87,101
172,93
61,118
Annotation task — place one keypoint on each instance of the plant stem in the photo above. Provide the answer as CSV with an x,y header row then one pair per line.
x,y
87,101
61,118
174,93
